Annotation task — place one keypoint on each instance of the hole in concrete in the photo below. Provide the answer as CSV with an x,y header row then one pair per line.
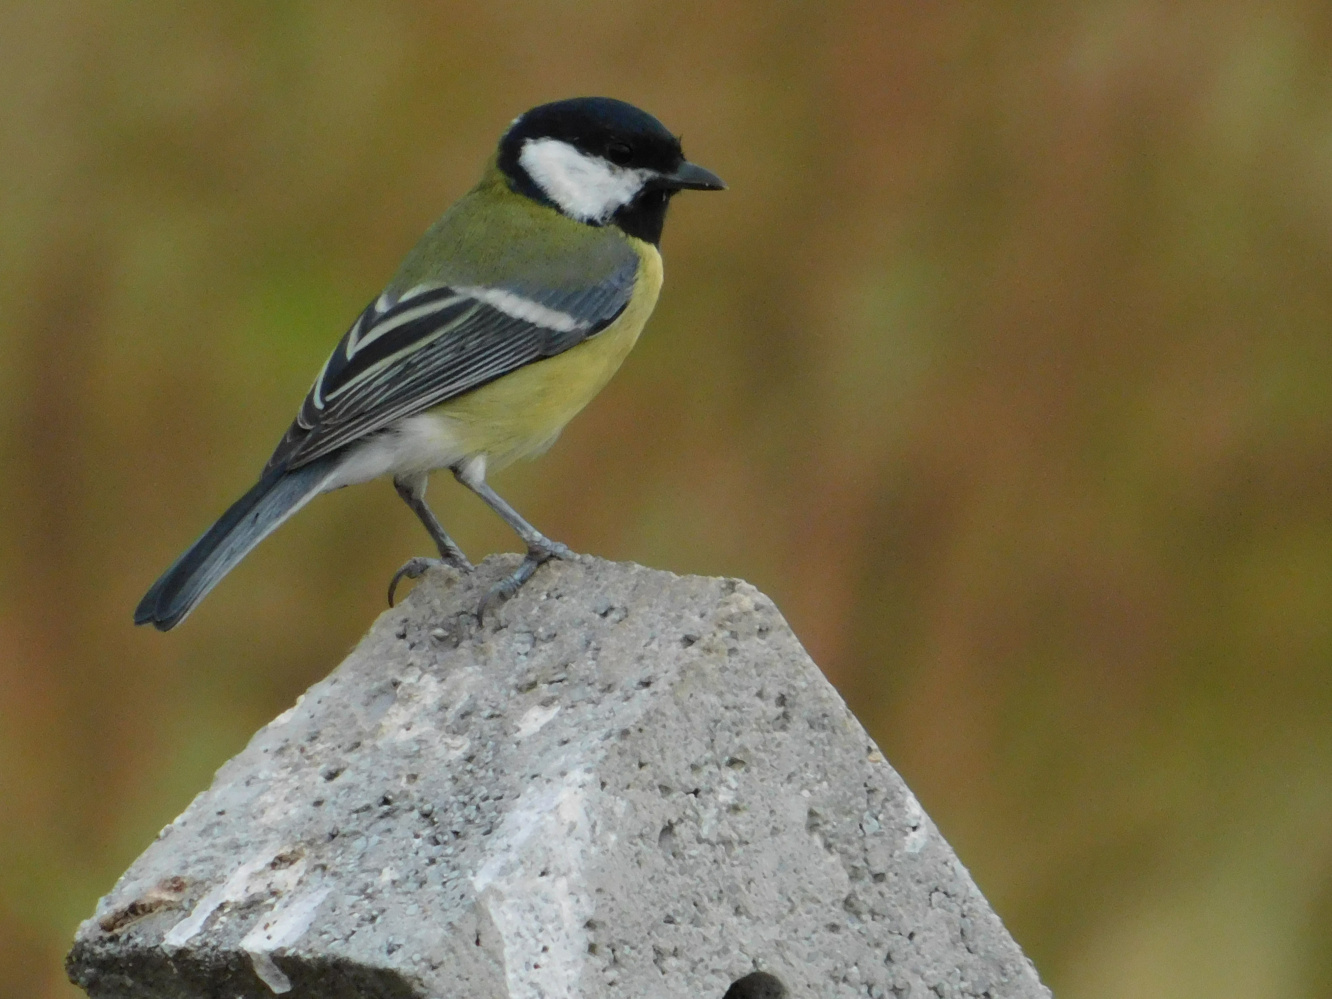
x,y
666,838
758,985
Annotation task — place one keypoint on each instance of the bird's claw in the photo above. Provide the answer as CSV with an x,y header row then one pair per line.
x,y
537,555
553,549
415,568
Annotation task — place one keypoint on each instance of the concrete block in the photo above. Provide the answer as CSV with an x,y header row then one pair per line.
x,y
628,783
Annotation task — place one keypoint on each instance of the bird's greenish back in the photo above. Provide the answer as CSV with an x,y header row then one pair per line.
x,y
493,236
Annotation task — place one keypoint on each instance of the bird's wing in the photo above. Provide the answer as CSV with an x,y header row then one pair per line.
x,y
405,354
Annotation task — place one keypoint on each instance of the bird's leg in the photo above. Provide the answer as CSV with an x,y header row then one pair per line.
x,y
540,549
412,490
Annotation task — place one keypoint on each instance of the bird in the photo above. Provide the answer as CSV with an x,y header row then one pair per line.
x,y
508,316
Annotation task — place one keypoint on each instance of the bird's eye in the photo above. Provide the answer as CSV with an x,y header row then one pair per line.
x,y
619,153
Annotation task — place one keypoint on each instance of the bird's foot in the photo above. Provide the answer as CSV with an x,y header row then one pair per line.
x,y
415,568
537,555
451,554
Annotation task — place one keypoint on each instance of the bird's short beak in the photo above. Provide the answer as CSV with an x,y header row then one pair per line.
x,y
692,177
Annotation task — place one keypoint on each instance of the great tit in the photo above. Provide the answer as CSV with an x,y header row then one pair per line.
x,y
509,315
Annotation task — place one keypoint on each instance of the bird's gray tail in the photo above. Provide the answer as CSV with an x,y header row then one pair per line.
x,y
274,498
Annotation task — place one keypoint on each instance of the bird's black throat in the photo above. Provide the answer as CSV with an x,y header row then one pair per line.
x,y
645,216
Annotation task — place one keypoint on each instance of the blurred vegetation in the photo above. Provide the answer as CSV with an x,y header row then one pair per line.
x,y
1004,367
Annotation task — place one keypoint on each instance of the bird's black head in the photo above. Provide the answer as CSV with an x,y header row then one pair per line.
x,y
600,161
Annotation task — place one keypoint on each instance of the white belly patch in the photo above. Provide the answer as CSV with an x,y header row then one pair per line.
x,y
418,443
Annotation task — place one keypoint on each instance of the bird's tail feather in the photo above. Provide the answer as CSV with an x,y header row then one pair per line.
x,y
276,496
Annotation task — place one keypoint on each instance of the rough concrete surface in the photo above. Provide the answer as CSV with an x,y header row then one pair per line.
x,y
627,783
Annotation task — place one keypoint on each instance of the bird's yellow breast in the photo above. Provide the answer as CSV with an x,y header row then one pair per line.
x,y
522,413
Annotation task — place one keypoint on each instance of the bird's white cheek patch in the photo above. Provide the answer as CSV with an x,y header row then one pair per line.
x,y
584,187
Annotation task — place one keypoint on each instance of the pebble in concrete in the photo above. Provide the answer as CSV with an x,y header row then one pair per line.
x,y
627,784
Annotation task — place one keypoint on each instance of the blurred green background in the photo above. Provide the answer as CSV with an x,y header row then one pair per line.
x,y
1004,367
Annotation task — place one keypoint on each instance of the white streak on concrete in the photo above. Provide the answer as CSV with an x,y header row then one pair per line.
x,y
411,714
283,927
533,887
286,716
233,889
920,832
534,719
